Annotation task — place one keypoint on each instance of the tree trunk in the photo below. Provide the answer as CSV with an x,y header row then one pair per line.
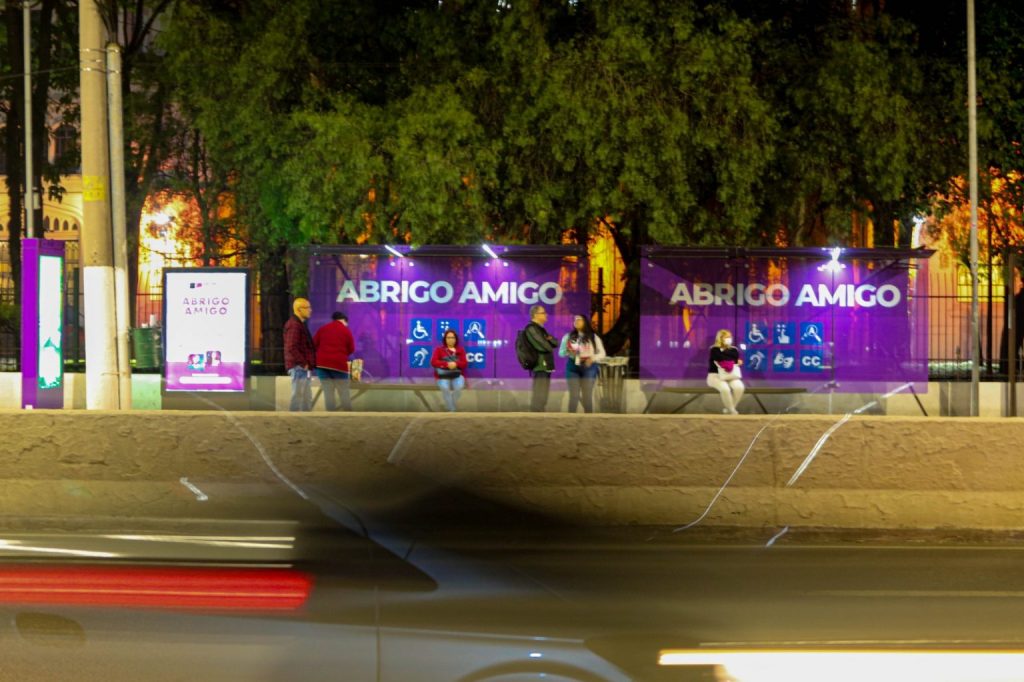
x,y
1004,340
133,220
626,329
274,304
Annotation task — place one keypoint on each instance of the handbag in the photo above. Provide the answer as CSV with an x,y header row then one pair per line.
x,y
445,373
727,369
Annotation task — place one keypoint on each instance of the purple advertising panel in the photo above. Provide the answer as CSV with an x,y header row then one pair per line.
x,y
206,323
851,325
399,307
42,314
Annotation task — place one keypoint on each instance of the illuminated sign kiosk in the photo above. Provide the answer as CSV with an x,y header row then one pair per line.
x,y
206,329
42,316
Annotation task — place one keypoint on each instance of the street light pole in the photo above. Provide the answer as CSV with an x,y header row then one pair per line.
x,y
972,135
30,195
117,199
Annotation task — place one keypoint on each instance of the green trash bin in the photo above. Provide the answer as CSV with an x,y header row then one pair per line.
x,y
146,348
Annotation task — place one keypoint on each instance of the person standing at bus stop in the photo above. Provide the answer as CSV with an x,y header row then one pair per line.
x,y
300,356
334,345
545,345
583,350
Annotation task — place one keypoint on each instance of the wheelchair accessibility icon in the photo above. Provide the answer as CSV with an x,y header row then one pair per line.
x,y
756,334
419,329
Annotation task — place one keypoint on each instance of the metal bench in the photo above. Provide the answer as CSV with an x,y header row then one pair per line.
x,y
696,392
359,388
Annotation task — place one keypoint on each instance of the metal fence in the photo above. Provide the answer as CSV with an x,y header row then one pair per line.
x,y
948,308
263,347
949,321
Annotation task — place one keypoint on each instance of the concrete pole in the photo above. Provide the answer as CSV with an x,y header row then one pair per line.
x,y
119,215
30,203
972,144
101,384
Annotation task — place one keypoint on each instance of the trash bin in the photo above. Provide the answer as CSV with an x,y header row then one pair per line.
x,y
146,347
612,380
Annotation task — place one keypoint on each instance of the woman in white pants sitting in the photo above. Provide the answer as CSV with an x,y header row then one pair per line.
x,y
724,371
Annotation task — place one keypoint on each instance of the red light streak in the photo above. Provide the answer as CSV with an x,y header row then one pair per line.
x,y
156,587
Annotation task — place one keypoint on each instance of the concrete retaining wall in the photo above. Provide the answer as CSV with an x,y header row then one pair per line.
x,y
272,393
871,472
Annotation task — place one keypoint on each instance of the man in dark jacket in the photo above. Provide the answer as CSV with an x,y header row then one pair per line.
x,y
300,356
545,345
334,344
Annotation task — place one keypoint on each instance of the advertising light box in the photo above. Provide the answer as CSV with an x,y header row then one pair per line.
x,y
42,317
206,329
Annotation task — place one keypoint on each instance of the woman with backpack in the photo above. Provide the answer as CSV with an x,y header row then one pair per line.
x,y
583,350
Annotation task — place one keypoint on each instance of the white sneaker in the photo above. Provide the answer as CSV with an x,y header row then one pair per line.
x,y
725,411
734,412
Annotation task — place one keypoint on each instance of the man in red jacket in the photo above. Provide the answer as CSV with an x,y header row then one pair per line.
x,y
299,356
334,344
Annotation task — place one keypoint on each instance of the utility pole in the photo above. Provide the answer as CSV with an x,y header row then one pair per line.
x,y
118,214
101,378
972,144
30,194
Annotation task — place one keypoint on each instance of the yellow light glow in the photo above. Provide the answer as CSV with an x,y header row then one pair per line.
x,y
853,666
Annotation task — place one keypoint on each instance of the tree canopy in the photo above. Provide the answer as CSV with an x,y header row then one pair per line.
x,y
721,123
729,122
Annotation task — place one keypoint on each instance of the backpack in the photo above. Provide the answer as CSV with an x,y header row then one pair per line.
x,y
525,352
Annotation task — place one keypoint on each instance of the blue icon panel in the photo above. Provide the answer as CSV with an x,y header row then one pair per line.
x,y
812,334
477,358
474,330
420,328
812,361
419,356
783,360
758,334
784,333
755,360
443,325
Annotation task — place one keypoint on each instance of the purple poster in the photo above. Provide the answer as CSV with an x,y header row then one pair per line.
x,y
853,325
399,307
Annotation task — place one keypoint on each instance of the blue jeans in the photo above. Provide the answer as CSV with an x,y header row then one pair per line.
x,y
450,390
580,381
302,390
335,389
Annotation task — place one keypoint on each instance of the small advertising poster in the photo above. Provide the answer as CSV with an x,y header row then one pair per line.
x,y
206,323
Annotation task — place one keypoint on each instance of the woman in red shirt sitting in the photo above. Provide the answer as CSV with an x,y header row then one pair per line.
x,y
449,363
